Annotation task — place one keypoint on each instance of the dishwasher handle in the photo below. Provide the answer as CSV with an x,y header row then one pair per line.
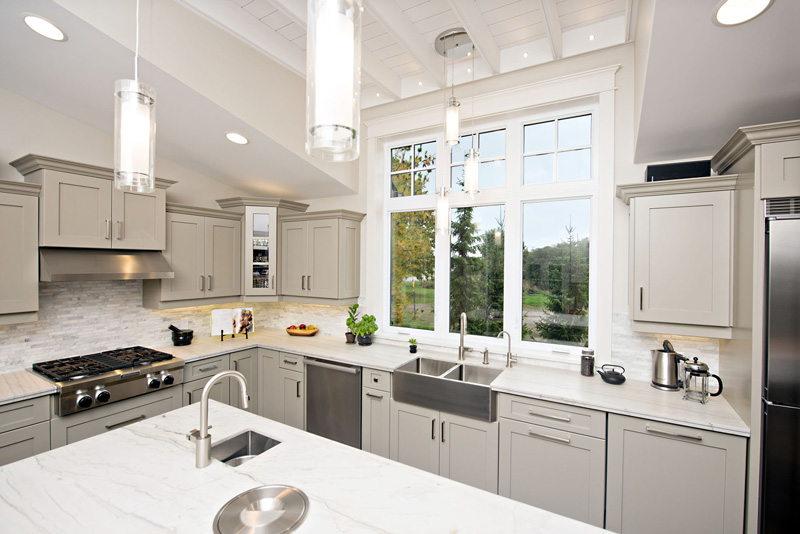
x,y
332,367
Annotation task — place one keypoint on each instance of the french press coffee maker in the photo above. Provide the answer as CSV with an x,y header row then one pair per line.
x,y
695,382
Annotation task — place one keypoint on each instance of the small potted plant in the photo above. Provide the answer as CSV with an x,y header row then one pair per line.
x,y
351,323
365,328
412,345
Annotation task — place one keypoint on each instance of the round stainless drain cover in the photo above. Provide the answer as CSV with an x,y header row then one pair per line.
x,y
265,510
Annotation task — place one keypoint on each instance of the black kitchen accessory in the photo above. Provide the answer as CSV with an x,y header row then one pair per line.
x,y
587,362
611,375
181,337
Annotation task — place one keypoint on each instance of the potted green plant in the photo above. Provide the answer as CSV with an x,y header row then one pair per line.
x,y
412,345
351,323
365,328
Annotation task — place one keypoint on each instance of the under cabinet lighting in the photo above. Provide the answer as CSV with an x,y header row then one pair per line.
x,y
733,12
234,137
44,27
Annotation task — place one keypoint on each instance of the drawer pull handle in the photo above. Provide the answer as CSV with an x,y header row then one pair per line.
x,y
235,365
566,419
108,228
119,230
273,281
641,298
547,436
298,389
202,283
290,362
433,428
372,395
696,437
190,396
309,282
129,421
303,282
210,282
442,431
204,369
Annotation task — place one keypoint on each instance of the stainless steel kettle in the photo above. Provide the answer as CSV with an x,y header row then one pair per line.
x,y
665,368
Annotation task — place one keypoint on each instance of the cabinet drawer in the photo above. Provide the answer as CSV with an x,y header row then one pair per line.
x,y
24,413
24,442
292,362
552,415
206,368
372,378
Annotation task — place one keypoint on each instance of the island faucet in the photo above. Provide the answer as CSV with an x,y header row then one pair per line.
x,y
201,437
462,333
509,358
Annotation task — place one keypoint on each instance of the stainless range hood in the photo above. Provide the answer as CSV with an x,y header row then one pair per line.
x,y
81,264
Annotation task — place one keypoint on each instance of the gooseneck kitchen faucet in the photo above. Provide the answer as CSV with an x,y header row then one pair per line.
x,y
201,437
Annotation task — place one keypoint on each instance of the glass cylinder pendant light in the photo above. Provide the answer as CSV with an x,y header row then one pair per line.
x,y
333,79
134,131
451,120
452,44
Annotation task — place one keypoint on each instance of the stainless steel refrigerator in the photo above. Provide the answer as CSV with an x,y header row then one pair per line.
x,y
780,457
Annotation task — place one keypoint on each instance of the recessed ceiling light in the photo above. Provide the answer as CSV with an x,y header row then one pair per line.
x,y
234,137
524,54
419,83
591,37
45,28
469,70
377,94
469,53
733,12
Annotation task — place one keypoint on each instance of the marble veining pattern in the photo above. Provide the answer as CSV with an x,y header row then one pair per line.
x,y
142,478
21,385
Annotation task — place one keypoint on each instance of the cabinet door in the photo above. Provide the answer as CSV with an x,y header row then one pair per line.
x,y
414,436
19,270
185,252
292,400
294,258
468,451
376,417
561,472
349,259
193,391
653,468
780,169
76,211
24,442
682,258
323,258
260,251
269,392
246,362
223,257
139,219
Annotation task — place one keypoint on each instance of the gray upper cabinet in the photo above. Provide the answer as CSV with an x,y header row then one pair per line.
x,y
663,478
19,270
320,256
79,207
204,250
780,169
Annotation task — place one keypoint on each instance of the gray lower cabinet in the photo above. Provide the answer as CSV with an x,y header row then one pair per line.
x,y
193,391
291,403
663,478
78,426
375,420
459,448
553,456
198,373
268,383
24,429
281,384
246,362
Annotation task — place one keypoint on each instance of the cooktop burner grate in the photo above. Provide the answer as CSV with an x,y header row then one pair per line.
x,y
95,364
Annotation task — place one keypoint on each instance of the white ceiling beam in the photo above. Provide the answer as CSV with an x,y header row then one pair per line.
x,y
553,27
473,22
401,29
631,19
373,67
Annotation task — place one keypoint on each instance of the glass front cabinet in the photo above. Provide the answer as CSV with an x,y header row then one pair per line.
x,y
261,231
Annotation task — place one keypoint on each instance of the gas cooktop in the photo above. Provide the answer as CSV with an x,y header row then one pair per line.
x,y
79,367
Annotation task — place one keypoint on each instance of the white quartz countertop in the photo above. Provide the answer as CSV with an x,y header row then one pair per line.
x,y
142,478
20,385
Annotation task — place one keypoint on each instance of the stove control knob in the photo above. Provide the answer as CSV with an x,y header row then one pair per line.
x,y
168,380
84,401
102,396
153,383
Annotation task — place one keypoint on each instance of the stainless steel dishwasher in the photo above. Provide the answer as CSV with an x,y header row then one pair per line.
x,y
333,401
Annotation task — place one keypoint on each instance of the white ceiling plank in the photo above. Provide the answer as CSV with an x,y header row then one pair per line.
x,y
471,19
631,19
553,26
397,24
295,10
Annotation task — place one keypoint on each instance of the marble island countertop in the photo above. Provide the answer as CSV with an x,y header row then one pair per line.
x,y
142,478
634,397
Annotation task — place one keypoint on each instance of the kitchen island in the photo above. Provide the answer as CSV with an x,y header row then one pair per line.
x,y
142,478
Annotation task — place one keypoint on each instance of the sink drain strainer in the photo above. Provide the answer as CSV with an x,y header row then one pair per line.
x,y
264,510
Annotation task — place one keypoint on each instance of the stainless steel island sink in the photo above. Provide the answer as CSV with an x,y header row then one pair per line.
x,y
237,449
451,387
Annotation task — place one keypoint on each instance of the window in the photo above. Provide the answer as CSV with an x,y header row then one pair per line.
x,y
412,262
477,244
555,272
558,150
491,155
413,170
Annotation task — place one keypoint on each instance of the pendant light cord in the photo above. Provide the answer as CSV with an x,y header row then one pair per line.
x,y
136,56
474,133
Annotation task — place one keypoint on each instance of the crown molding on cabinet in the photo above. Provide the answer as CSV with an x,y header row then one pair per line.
x,y
327,214
34,162
20,188
203,212
674,187
749,136
259,202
